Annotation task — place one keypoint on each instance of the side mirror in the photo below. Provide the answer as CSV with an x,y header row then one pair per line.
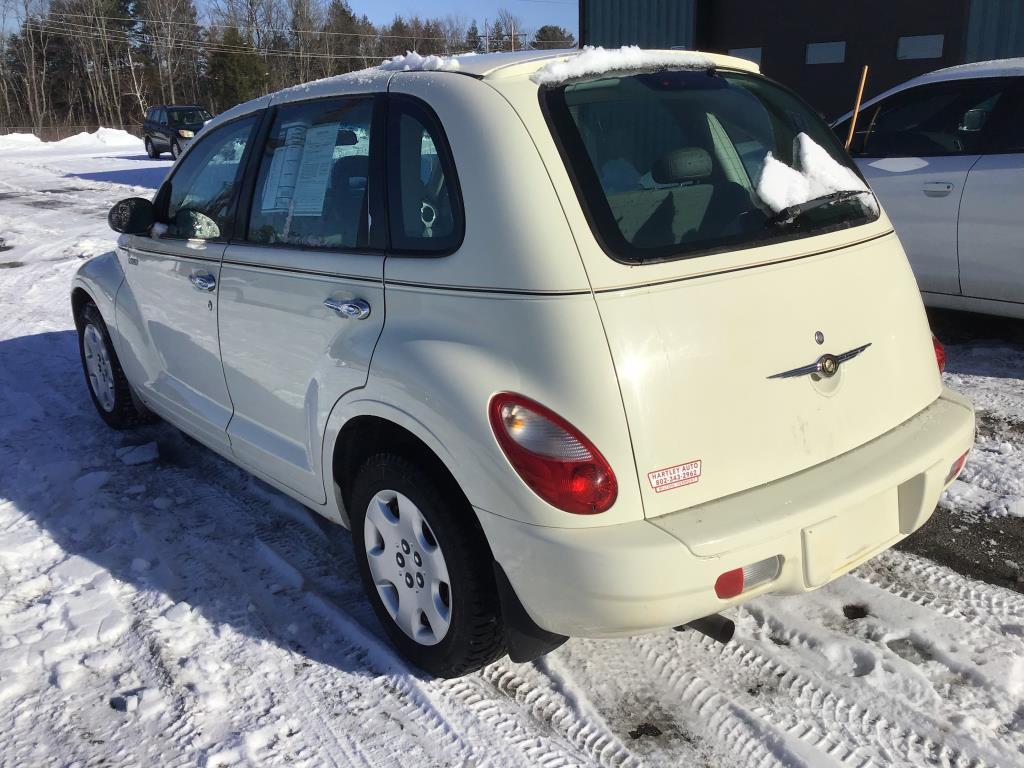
x,y
132,216
193,225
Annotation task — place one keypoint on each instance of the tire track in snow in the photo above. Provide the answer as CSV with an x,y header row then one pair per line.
x,y
920,581
458,710
823,706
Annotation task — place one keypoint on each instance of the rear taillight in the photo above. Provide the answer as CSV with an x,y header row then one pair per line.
x,y
940,353
956,468
552,457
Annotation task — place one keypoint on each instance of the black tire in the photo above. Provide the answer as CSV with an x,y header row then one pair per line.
x,y
475,635
123,411
175,149
151,150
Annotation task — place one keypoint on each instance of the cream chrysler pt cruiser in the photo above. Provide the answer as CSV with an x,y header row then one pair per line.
x,y
575,343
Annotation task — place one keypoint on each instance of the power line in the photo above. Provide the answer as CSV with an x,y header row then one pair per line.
x,y
287,30
196,46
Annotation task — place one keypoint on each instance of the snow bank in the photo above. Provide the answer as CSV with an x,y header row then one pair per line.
x,y
598,61
414,62
817,174
18,140
102,137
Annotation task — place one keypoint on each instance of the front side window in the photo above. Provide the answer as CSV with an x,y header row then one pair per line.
x,y
669,164
423,196
314,177
201,193
928,121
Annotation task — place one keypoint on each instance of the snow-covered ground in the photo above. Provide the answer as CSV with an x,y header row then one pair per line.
x,y
158,607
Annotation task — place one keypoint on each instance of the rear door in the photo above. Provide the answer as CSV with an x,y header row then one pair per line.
x,y
169,313
916,148
302,292
989,231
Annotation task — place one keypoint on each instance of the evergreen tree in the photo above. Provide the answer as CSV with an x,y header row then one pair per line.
x,y
553,36
473,37
237,73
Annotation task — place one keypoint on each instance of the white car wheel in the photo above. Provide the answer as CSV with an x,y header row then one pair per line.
x,y
408,567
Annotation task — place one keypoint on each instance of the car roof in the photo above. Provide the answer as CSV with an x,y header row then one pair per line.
x,y
484,66
978,69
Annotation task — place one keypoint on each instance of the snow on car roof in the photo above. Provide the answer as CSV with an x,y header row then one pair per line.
x,y
597,61
560,63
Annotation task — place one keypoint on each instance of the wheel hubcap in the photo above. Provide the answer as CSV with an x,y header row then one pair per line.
x,y
408,567
98,368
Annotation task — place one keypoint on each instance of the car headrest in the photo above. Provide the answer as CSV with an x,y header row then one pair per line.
x,y
349,167
681,165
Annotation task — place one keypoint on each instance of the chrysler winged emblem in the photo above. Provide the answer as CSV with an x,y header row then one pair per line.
x,y
824,367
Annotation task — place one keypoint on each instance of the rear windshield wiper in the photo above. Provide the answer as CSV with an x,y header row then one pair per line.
x,y
787,215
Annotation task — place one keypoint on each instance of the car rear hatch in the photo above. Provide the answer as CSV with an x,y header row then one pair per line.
x,y
757,327
696,360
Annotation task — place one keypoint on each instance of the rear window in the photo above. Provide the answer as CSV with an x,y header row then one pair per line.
x,y
668,164
189,115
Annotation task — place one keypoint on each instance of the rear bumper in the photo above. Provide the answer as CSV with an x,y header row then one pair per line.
x,y
657,573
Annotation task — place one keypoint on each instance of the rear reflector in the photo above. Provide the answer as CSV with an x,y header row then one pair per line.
x,y
940,353
739,580
956,468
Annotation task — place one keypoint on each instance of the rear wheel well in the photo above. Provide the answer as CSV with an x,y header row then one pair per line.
x,y
365,436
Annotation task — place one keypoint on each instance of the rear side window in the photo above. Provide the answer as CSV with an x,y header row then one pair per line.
x,y
425,210
928,121
313,183
667,164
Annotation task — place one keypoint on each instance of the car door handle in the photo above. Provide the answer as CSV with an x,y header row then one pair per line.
x,y
202,281
350,309
937,188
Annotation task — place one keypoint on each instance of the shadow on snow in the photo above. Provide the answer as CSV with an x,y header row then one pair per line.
x,y
238,552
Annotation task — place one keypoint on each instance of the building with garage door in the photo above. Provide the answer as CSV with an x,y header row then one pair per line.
x,y
815,47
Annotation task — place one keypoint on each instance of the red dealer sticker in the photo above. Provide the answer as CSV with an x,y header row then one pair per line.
x,y
675,477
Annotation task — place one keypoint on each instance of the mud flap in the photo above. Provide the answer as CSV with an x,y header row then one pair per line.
x,y
523,638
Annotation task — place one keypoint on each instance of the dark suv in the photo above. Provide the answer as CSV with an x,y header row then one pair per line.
x,y
170,127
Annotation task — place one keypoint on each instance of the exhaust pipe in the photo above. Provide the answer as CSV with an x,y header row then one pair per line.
x,y
715,626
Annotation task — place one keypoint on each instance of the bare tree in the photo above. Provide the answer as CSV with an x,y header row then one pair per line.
x,y
513,28
453,29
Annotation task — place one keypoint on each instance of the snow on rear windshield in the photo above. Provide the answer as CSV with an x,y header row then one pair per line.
x,y
817,174
593,61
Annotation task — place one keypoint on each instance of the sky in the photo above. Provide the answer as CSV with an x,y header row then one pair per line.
x,y
534,13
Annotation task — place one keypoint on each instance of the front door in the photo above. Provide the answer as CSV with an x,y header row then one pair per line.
x,y
916,148
169,312
302,292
